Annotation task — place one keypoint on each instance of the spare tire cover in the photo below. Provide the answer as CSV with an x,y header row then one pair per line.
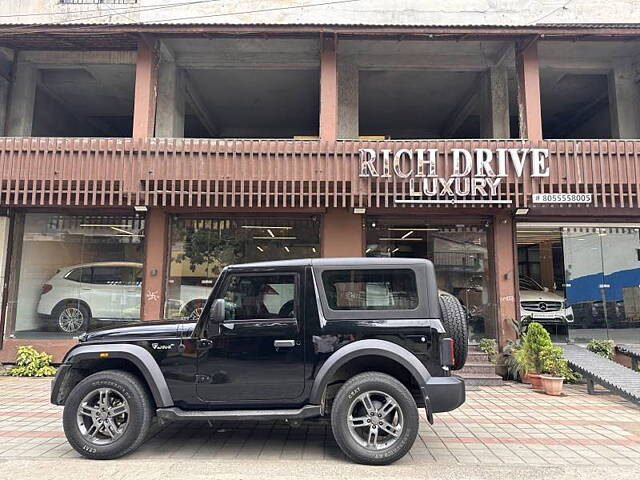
x,y
454,321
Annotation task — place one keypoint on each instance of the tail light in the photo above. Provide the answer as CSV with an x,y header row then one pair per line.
x,y
447,357
46,288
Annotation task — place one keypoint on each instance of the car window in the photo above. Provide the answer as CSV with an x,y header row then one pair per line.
x,y
132,276
252,297
79,275
383,289
107,275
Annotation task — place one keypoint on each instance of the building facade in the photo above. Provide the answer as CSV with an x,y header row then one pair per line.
x,y
148,146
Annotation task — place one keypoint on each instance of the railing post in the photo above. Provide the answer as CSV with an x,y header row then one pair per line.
x,y
146,89
529,110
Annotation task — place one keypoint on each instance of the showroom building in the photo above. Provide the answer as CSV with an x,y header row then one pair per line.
x,y
139,160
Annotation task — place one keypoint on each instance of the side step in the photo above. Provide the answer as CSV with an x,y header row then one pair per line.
x,y
177,414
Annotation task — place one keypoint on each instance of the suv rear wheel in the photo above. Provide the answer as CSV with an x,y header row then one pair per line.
x,y
107,415
454,321
374,419
71,317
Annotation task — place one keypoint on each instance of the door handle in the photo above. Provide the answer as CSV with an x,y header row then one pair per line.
x,y
284,343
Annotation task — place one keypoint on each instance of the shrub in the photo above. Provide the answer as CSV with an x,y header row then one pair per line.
x,y
553,362
490,347
31,363
535,340
604,348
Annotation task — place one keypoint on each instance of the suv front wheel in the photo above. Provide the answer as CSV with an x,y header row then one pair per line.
x,y
374,419
107,415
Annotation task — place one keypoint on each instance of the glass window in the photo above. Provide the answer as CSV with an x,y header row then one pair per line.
x,y
384,289
71,273
249,297
201,247
459,253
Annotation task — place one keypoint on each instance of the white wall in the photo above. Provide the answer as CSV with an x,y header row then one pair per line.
x,y
371,12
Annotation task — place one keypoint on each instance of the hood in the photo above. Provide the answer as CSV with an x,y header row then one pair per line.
x,y
138,330
534,295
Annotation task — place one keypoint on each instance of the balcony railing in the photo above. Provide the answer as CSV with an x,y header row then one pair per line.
x,y
284,173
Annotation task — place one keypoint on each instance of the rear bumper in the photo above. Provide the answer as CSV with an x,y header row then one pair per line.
x,y
444,394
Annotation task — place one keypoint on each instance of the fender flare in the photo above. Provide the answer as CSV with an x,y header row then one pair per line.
x,y
361,348
137,355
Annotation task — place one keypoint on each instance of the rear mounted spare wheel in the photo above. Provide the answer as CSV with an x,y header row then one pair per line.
x,y
454,320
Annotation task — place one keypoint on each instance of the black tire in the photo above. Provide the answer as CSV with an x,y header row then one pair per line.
x,y
454,321
138,420
59,310
347,395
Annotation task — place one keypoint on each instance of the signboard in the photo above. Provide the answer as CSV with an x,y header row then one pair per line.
x,y
475,177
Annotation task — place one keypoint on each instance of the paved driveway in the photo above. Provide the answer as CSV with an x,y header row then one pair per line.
x,y
501,429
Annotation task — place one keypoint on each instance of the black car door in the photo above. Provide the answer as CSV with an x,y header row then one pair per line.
x,y
257,353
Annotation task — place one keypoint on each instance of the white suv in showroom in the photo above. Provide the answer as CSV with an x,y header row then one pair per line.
x,y
538,304
104,291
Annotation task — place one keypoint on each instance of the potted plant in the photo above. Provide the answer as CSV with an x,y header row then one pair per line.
x,y
535,341
509,364
554,370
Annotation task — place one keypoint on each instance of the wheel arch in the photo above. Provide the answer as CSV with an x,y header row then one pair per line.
x,y
364,349
91,357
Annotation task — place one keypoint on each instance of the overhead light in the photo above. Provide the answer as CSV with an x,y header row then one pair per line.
x,y
259,227
359,211
270,232
522,211
313,249
274,238
287,249
121,230
401,239
140,208
395,250
367,250
260,248
105,225
408,234
415,229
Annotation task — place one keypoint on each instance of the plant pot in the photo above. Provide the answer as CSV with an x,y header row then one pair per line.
x,y
526,379
552,385
536,381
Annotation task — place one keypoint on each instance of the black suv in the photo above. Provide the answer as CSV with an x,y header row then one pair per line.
x,y
362,341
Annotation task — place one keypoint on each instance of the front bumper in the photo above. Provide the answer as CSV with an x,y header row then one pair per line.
x,y
444,394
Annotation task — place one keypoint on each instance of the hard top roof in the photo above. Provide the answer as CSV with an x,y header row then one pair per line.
x,y
332,262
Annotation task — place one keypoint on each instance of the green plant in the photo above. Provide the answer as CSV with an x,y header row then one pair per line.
x,y
554,363
522,363
31,363
508,357
490,347
535,340
604,348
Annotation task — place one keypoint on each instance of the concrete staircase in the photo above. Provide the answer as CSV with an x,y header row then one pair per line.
x,y
479,371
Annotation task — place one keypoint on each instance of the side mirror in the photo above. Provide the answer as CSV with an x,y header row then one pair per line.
x,y
217,312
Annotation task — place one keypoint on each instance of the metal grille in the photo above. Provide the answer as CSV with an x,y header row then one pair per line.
x,y
542,306
281,173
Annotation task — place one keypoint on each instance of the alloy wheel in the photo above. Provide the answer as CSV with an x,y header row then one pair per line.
x,y
375,420
103,416
71,319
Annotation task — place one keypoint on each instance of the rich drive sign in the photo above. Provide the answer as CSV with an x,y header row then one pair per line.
x,y
475,177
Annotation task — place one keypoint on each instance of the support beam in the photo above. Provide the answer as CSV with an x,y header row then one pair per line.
x,y
348,98
494,103
528,73
171,101
146,91
342,234
328,88
462,110
5,87
504,254
624,102
22,99
153,280
199,107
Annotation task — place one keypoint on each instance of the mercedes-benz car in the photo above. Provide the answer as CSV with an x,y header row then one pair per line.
x,y
105,292
538,304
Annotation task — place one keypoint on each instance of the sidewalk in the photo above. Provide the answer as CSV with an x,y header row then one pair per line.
x,y
500,426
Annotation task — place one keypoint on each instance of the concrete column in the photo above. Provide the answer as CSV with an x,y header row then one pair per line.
x,y
22,99
4,103
348,75
494,103
171,101
342,234
146,91
155,255
528,72
506,273
624,102
328,89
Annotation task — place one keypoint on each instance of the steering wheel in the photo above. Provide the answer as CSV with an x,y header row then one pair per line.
x,y
286,310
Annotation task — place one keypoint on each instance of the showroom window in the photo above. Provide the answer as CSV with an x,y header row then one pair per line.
x,y
74,273
201,247
460,256
587,277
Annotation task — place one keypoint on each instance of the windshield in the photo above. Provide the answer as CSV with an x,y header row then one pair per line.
x,y
527,283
